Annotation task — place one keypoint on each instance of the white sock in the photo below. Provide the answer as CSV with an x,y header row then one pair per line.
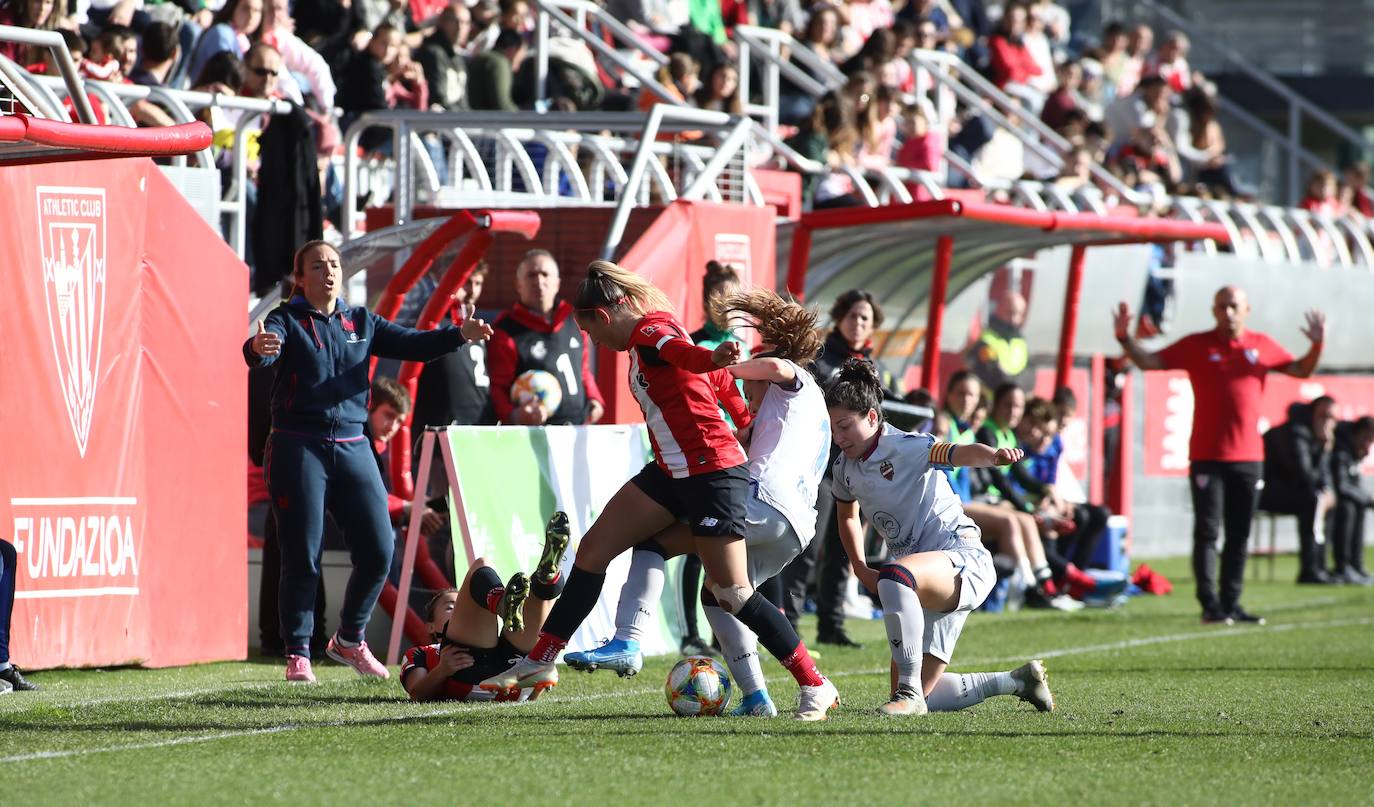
x,y
639,596
739,645
5,665
955,691
906,625
345,642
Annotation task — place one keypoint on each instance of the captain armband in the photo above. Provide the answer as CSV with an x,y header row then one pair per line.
x,y
942,453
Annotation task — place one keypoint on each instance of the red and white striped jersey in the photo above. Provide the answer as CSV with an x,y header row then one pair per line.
x,y
681,392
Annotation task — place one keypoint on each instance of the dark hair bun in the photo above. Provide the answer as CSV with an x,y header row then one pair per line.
x,y
860,371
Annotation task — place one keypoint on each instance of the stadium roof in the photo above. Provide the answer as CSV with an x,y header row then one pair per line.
x,y
892,251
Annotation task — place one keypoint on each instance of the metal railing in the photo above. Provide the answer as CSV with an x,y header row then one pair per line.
x,y
71,78
46,96
780,56
491,158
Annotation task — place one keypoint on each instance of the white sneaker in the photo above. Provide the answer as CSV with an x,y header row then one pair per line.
x,y
526,674
1063,602
1035,685
907,701
815,703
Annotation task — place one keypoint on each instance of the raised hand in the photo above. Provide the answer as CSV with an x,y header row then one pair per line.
x,y
1007,456
1121,320
726,353
266,343
1315,329
474,329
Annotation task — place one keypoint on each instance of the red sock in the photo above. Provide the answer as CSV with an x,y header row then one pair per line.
x,y
547,648
803,667
494,598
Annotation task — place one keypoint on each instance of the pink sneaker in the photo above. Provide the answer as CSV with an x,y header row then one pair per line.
x,y
298,669
359,658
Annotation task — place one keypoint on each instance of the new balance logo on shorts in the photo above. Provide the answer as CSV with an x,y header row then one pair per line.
x,y
709,522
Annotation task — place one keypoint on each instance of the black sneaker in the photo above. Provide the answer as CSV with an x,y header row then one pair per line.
x,y
16,679
1317,577
836,637
1215,616
1243,617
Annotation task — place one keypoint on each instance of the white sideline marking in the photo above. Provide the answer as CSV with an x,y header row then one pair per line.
x,y
462,707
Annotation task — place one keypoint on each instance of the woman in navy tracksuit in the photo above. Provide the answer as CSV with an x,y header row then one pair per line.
x,y
317,455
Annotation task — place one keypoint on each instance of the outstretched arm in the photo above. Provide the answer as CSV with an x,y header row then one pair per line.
x,y
265,346
1143,359
774,371
975,455
1315,331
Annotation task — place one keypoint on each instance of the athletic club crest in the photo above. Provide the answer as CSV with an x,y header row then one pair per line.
x,y
886,470
71,238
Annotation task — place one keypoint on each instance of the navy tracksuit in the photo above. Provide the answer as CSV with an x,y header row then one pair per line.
x,y
9,571
317,455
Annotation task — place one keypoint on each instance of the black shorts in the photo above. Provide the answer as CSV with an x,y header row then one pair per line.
x,y
712,504
486,661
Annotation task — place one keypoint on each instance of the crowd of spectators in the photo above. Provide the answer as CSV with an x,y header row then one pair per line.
x,y
1126,101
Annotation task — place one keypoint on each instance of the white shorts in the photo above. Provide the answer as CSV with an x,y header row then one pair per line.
x,y
973,567
770,540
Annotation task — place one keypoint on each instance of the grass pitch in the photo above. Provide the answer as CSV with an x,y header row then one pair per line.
x,y
1153,709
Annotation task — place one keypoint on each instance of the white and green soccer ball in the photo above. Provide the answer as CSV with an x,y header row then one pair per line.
x,y
698,685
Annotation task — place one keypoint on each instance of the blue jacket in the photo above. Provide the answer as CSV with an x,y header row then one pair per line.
x,y
322,385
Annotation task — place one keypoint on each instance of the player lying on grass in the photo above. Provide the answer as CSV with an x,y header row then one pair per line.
x,y
698,474
789,443
483,627
938,570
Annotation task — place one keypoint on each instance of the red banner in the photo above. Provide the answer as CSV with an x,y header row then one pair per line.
x,y
673,253
124,429
1169,411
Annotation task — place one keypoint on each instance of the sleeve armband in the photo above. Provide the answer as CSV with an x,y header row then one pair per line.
x,y
942,453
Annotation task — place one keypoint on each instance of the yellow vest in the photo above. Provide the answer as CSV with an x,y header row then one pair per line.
x,y
1011,355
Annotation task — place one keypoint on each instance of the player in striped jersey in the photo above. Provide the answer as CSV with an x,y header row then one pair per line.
x,y
698,476
484,627
789,444
937,570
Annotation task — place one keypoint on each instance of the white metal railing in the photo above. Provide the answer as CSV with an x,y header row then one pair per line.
x,y
487,160
48,94
781,57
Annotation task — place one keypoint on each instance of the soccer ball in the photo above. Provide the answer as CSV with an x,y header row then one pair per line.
x,y
540,386
698,685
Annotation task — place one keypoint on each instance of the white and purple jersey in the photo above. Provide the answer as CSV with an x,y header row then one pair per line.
x,y
901,488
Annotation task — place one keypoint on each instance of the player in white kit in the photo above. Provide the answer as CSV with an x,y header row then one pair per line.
x,y
937,570
789,443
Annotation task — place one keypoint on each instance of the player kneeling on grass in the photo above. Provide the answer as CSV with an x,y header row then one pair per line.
x,y
938,570
789,443
483,628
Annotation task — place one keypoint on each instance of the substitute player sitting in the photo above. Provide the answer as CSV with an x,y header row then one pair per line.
x,y
483,627
938,570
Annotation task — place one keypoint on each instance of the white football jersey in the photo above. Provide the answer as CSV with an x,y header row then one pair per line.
x,y
904,494
789,449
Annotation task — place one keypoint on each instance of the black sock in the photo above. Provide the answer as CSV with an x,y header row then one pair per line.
x,y
691,582
480,584
547,591
577,601
767,622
